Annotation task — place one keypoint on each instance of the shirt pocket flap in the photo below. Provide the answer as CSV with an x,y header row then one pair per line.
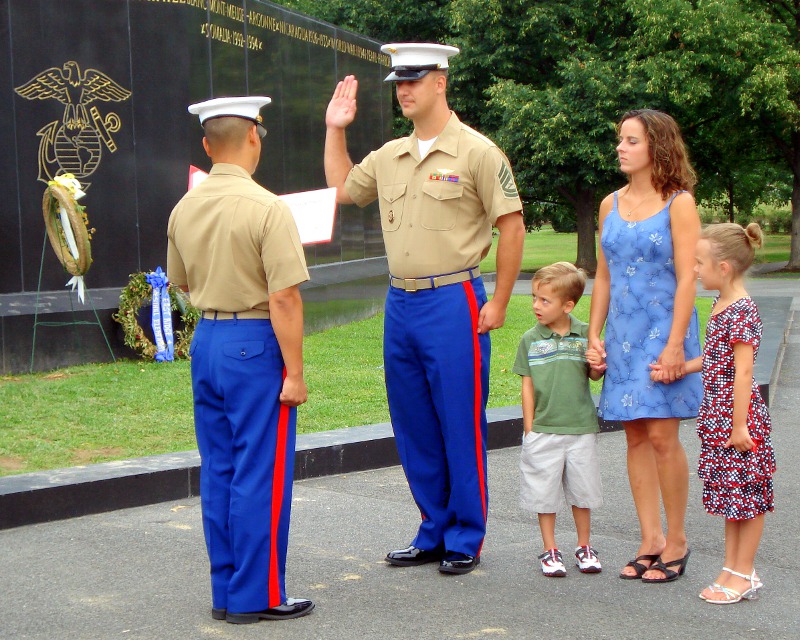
x,y
393,192
442,190
243,350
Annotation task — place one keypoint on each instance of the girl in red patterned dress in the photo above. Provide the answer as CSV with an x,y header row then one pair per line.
x,y
736,455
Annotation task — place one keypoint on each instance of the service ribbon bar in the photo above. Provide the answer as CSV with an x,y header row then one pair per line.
x,y
444,177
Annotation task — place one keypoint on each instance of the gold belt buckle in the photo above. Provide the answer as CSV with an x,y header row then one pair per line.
x,y
410,284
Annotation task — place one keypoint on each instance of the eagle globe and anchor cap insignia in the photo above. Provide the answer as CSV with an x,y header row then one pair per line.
x,y
75,144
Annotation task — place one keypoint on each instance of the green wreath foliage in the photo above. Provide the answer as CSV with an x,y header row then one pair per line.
x,y
131,300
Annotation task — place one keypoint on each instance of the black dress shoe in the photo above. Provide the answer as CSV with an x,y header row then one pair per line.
x,y
292,608
458,563
411,557
219,614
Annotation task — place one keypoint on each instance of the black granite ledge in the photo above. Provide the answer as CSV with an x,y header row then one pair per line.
x,y
76,491
64,300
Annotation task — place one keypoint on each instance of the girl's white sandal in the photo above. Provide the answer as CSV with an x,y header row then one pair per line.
x,y
731,595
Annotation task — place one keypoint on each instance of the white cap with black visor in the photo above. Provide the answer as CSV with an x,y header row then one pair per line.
x,y
245,107
414,60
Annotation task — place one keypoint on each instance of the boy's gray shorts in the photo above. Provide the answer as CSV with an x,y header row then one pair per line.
x,y
556,468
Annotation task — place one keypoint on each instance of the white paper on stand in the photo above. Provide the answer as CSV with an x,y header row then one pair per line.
x,y
314,212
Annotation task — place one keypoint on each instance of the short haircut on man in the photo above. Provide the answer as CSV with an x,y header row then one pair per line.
x,y
564,278
227,130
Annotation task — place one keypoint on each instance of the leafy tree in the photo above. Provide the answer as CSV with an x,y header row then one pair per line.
x,y
771,93
736,64
554,75
549,79
735,175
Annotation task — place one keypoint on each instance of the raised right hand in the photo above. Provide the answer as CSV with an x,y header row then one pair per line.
x,y
342,107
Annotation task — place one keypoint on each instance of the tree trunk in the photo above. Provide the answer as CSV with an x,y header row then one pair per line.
x,y
791,152
731,216
584,220
794,255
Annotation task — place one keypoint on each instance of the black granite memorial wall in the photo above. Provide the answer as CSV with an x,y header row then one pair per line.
x,y
99,89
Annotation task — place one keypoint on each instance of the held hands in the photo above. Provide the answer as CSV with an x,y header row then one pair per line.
x,y
658,373
596,355
670,366
294,392
342,107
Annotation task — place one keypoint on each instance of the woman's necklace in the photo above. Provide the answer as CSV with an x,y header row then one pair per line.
x,y
641,202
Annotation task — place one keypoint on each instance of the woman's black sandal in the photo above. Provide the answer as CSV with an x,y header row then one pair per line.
x,y
638,567
669,574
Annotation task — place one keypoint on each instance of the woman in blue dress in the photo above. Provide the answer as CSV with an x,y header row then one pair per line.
x,y
644,294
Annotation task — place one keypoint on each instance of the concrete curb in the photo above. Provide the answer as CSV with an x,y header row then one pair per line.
x,y
77,491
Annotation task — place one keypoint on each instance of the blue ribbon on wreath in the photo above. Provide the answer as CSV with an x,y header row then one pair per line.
x,y
161,315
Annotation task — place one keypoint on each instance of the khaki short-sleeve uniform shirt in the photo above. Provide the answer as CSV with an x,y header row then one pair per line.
x,y
233,243
436,213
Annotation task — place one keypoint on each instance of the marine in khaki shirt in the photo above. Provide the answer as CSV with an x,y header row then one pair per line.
x,y
441,190
233,243
437,213
235,247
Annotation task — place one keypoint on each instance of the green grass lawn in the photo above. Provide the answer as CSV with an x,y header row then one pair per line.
x,y
99,412
542,247
545,247
776,249
95,413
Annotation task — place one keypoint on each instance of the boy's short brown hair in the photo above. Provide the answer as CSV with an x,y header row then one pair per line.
x,y
564,278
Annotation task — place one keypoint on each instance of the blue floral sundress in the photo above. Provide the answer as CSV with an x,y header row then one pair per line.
x,y
640,261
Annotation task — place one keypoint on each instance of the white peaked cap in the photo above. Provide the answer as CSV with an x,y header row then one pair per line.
x,y
413,60
246,107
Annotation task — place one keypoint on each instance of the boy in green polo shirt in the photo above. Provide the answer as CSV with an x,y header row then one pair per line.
x,y
559,456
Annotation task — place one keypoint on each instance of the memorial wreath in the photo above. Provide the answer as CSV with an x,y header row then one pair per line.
x,y
67,224
134,296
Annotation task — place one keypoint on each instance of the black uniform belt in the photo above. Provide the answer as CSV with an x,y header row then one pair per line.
x,y
432,282
250,314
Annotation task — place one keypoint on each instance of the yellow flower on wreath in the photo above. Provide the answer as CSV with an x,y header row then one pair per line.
x,y
73,187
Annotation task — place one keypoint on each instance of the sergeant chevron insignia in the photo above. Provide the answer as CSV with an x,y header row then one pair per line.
x,y
507,181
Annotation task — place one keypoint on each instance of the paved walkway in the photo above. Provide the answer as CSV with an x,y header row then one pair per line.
x,y
142,573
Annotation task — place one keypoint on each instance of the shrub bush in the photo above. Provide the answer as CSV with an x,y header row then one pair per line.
x,y
772,218
775,219
710,215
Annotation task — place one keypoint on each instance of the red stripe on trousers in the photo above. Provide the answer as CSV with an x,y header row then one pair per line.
x,y
478,398
278,480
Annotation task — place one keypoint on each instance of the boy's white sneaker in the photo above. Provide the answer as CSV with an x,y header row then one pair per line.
x,y
552,564
586,560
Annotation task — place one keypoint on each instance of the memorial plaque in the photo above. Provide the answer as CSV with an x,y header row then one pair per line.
x,y
100,89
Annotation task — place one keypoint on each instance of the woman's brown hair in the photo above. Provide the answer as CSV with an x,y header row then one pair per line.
x,y
672,170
